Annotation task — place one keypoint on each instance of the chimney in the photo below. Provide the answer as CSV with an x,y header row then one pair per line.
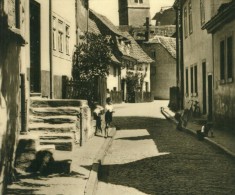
x,y
147,29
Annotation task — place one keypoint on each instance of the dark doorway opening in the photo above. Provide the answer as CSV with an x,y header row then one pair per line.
x,y
35,47
210,85
123,89
204,88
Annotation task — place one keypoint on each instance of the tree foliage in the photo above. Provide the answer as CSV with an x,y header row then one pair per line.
x,y
92,58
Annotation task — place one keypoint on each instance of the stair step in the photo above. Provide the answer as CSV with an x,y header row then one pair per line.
x,y
65,127
58,136
53,119
55,111
57,103
60,144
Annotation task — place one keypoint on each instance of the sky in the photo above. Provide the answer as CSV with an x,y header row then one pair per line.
x,y
109,8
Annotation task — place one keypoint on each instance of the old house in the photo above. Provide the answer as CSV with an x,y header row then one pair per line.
x,y
222,28
50,30
128,52
195,71
163,70
11,42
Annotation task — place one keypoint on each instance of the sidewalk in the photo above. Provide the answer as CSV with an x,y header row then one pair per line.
x,y
222,139
81,180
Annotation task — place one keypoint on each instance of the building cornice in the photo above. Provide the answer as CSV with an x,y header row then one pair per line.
x,y
221,18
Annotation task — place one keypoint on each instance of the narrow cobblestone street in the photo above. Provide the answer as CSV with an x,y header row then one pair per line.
x,y
148,156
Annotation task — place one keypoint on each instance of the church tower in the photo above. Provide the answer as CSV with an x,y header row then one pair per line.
x,y
133,12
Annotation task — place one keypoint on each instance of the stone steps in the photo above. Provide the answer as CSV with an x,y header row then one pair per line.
x,y
47,127
53,119
56,103
54,111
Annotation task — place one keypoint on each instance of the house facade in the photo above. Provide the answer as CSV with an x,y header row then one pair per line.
x,y
50,32
163,69
222,28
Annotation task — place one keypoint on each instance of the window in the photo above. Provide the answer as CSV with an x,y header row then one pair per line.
x,y
17,13
67,39
190,17
222,60
153,54
195,79
191,78
230,57
114,71
186,78
54,33
185,22
60,36
141,1
138,1
202,11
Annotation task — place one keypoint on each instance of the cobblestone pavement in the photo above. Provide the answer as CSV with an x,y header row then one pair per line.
x,y
148,156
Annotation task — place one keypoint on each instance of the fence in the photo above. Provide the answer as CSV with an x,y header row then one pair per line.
x,y
93,90
138,97
116,97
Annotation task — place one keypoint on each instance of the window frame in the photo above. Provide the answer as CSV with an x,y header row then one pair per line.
x,y
202,12
222,60
229,58
67,39
185,22
60,36
54,33
190,17
187,81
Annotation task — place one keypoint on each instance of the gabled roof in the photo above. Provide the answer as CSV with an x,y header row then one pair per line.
x,y
107,23
92,27
136,51
167,42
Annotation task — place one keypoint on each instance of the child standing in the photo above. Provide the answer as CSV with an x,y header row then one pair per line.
x,y
97,116
108,115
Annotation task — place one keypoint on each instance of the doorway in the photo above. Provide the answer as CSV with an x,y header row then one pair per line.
x,y
204,103
35,47
210,98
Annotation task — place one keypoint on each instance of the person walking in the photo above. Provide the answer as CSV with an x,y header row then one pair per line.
x,y
108,115
97,116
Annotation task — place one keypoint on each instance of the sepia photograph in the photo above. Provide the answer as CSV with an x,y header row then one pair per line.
x,y
117,97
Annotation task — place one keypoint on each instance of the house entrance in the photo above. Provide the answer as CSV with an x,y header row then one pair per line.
x,y
35,44
204,88
210,98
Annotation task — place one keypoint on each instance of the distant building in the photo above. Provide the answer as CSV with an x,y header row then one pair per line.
x,y
165,22
133,12
165,17
163,71
222,28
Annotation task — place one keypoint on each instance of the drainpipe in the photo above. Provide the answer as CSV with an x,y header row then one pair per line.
x,y
147,29
50,50
23,105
